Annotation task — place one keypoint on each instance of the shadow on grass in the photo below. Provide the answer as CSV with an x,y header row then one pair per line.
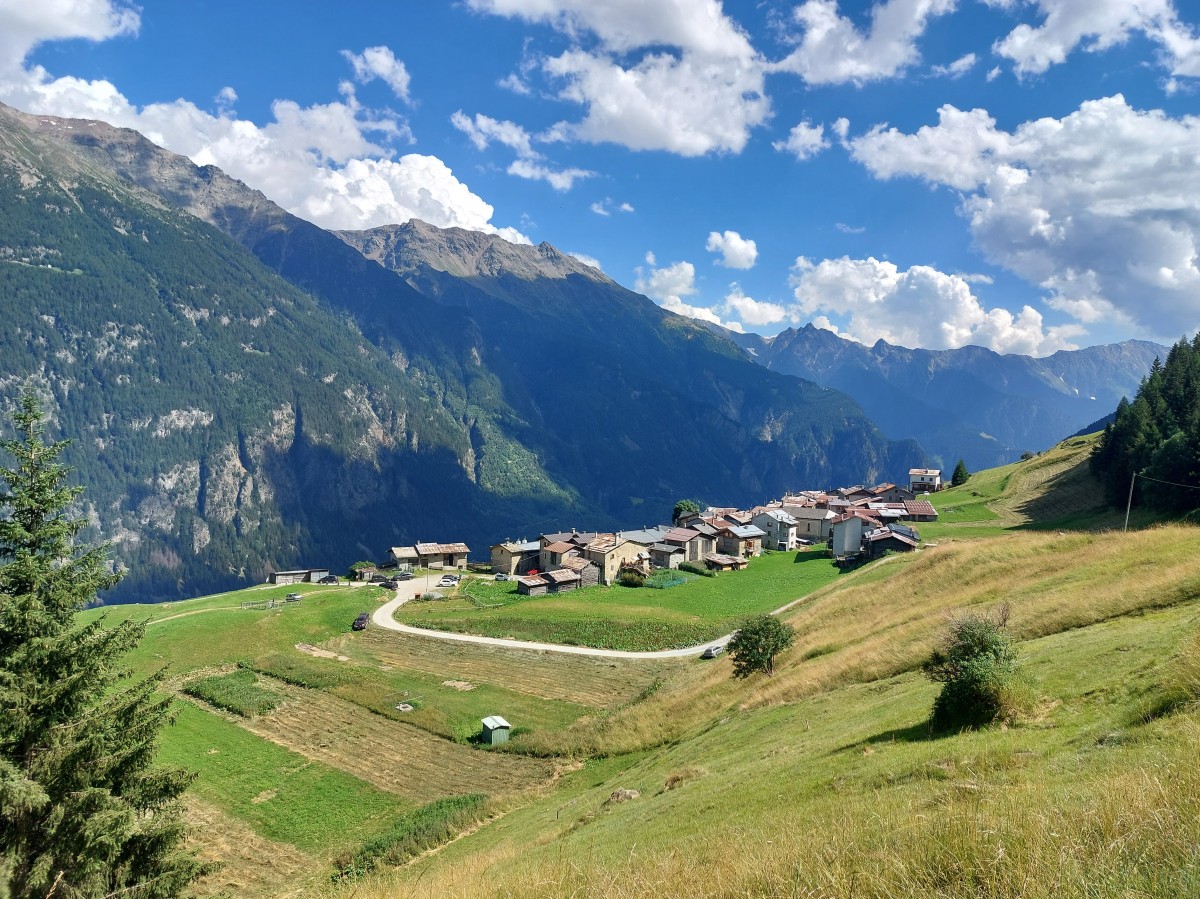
x,y
816,553
921,732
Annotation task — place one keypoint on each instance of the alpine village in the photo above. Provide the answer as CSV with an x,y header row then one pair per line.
x,y
358,542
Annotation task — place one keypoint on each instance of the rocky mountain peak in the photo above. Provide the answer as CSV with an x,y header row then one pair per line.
x,y
464,254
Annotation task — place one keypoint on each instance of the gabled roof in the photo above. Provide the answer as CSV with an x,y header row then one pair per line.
x,y
532,580
434,549
703,528
577,538
560,576
779,515
869,517
403,552
576,564
645,536
561,546
810,513
722,559
680,535
919,507
668,548
495,722
745,531
926,472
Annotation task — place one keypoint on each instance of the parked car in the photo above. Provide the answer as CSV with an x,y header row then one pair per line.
x,y
404,576
377,579
328,579
292,597
713,651
360,623
448,581
388,585
502,576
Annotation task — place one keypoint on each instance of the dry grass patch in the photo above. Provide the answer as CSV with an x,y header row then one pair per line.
x,y
1051,582
251,865
392,756
598,683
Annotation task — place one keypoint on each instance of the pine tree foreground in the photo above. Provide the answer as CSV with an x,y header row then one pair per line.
x,y
84,811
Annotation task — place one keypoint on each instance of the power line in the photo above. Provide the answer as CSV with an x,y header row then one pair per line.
x,y
1133,477
1172,483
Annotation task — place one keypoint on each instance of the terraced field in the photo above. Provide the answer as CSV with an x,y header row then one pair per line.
x,y
597,683
398,758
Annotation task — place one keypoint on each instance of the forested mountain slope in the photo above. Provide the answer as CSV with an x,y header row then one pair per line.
x,y
264,395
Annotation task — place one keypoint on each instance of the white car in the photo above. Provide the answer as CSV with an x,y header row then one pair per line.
x,y
448,580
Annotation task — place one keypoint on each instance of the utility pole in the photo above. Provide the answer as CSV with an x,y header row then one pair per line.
x,y
1129,504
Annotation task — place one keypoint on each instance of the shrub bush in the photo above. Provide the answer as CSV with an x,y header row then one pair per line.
x,y
630,579
701,570
976,665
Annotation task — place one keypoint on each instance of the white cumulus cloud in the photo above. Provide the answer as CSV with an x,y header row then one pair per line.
x,y
1101,208
688,104
917,307
832,50
750,311
624,25
736,251
958,68
668,285
330,163
1097,25
529,164
381,63
804,141
25,24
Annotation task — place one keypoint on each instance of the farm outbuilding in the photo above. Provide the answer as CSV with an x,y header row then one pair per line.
x,y
495,730
299,576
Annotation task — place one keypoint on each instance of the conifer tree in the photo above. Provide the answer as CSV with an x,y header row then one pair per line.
x,y
84,811
961,474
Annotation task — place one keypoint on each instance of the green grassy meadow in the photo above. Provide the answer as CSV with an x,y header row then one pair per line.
x,y
280,794
632,618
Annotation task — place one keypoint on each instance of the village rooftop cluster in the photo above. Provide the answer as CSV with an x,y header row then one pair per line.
x,y
856,523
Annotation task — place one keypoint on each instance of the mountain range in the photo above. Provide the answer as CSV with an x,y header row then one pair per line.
x,y
968,403
248,392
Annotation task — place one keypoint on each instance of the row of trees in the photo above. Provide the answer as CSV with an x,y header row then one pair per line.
x,y
1157,436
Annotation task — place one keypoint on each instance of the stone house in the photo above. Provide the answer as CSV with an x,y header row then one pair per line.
x,y
778,527
442,555
513,558
740,540
812,524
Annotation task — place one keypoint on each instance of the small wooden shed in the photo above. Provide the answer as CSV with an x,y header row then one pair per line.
x,y
495,730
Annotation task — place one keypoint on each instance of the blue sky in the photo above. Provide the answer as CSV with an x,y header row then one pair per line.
x,y
1018,174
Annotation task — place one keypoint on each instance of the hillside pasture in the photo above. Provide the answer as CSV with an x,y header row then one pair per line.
x,y
594,683
281,795
398,758
844,792
445,704
636,618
